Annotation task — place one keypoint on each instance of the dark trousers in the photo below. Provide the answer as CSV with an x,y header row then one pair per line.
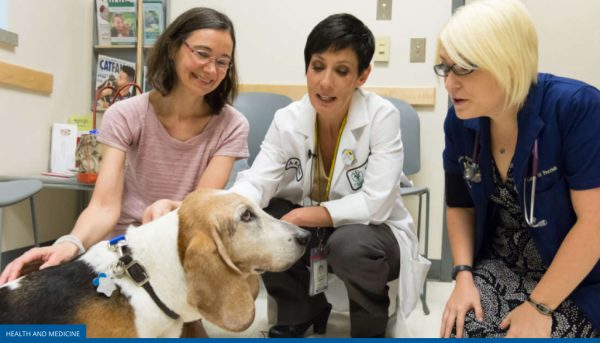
x,y
364,257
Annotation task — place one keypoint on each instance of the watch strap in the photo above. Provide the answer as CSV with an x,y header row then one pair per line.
x,y
460,268
541,308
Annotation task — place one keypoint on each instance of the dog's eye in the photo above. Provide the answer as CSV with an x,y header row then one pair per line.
x,y
247,216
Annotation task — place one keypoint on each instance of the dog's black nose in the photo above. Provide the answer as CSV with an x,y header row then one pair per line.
x,y
302,237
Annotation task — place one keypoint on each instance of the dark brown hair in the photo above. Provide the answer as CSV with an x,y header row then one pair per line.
x,y
162,74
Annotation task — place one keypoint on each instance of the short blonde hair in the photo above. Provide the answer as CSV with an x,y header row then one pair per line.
x,y
497,36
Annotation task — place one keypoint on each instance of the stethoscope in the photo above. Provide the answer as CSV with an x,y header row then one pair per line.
x,y
472,173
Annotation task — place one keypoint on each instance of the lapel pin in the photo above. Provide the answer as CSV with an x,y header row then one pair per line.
x,y
348,157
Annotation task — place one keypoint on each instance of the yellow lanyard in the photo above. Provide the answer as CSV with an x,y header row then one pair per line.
x,y
335,152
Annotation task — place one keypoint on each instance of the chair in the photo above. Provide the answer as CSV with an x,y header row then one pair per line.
x,y
411,141
12,192
259,108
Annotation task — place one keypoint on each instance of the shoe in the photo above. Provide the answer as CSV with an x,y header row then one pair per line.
x,y
319,324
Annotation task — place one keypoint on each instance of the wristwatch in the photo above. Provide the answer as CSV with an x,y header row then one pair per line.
x,y
460,268
541,308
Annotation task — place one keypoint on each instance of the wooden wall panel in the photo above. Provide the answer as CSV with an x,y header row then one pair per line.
x,y
21,77
414,96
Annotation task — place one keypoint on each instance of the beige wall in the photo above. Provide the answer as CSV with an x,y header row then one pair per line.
x,y
569,37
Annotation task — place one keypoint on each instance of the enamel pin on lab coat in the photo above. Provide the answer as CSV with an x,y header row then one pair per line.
x,y
348,157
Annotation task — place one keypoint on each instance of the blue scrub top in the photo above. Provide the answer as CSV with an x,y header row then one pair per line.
x,y
564,116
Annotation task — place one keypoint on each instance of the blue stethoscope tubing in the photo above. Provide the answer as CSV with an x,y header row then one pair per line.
x,y
472,173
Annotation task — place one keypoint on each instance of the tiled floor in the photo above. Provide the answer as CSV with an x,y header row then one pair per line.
x,y
418,323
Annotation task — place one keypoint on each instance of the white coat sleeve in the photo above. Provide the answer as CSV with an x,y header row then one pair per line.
x,y
259,183
374,203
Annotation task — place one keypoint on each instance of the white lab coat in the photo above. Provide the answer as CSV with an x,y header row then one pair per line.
x,y
363,191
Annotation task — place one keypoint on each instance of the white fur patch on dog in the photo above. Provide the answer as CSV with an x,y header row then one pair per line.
x,y
15,284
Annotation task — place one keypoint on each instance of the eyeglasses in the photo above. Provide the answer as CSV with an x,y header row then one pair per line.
x,y
203,57
443,69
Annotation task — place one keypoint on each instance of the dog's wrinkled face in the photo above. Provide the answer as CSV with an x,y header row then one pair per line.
x,y
257,242
223,239
253,241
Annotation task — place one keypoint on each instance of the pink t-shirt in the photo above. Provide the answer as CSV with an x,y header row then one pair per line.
x,y
159,166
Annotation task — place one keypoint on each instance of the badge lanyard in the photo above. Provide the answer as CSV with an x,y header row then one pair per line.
x,y
318,257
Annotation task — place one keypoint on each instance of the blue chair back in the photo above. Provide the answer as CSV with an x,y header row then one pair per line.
x,y
411,137
260,109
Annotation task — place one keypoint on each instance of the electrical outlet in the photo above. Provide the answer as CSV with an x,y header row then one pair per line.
x,y
384,9
382,49
417,50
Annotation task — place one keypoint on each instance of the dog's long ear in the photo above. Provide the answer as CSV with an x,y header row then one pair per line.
x,y
221,294
215,231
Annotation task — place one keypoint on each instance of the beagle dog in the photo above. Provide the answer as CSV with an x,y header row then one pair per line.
x,y
199,261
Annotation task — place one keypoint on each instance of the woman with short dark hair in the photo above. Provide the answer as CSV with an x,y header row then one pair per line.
x,y
332,163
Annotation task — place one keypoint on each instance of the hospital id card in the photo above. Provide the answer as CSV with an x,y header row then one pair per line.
x,y
318,271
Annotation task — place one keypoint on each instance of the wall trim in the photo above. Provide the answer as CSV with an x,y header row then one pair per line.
x,y
25,78
418,97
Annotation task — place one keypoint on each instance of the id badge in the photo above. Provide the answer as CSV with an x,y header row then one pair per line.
x,y
318,271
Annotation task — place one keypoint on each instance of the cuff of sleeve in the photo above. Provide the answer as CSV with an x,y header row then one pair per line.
x,y
71,239
246,190
350,209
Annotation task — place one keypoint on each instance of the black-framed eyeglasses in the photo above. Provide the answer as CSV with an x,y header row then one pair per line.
x,y
443,69
204,57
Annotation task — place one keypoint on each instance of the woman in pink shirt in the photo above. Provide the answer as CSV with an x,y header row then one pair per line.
x,y
181,136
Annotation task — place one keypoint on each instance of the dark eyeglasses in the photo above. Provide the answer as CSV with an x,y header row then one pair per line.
x,y
443,69
203,57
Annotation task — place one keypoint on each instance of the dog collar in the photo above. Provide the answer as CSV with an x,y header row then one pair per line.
x,y
128,265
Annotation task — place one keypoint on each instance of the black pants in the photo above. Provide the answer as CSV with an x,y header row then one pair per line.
x,y
364,257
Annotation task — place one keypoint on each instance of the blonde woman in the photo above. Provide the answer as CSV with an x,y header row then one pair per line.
x,y
522,163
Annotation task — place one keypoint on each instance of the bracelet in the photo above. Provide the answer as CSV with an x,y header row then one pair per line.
x,y
460,268
541,308
71,239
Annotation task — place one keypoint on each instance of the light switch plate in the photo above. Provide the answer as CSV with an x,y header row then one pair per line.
x,y
382,49
417,50
9,38
384,9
